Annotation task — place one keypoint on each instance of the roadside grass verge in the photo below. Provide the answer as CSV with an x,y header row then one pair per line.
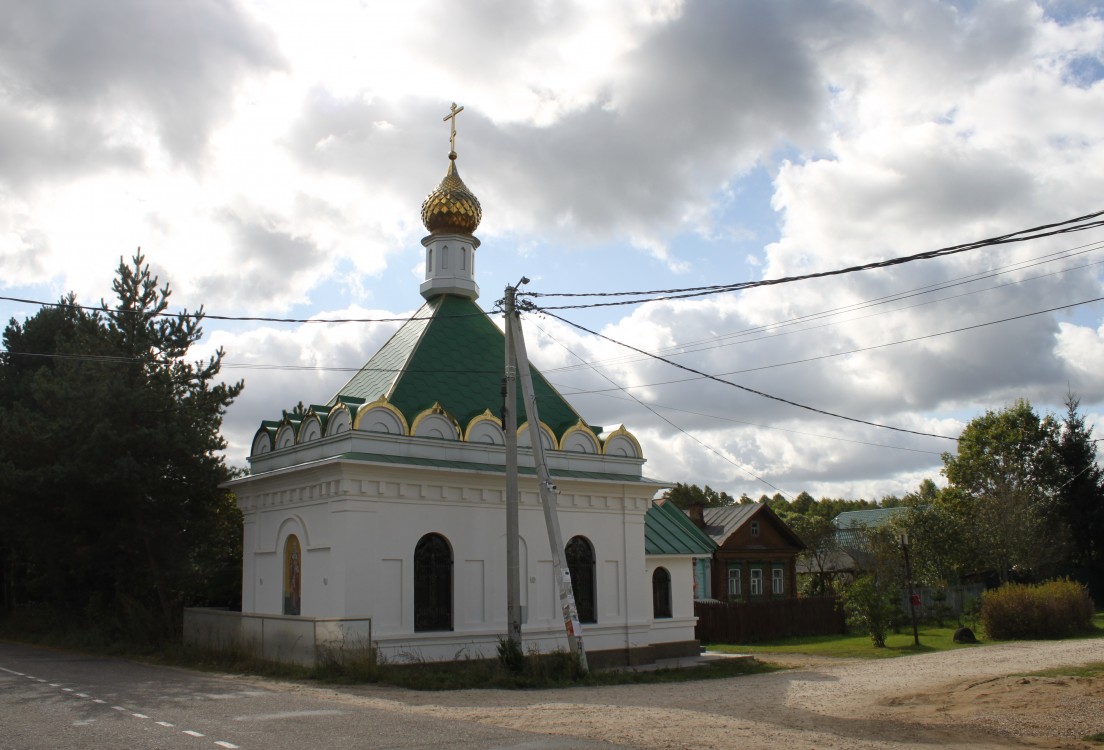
x,y
1093,670
359,665
858,646
540,671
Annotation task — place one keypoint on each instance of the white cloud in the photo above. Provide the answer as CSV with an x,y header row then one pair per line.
x,y
270,157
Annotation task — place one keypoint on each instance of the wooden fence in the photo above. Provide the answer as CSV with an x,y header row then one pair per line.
x,y
721,622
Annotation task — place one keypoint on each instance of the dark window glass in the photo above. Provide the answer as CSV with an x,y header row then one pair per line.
x,y
580,563
661,593
432,584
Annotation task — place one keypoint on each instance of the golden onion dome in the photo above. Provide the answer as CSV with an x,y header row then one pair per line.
x,y
451,208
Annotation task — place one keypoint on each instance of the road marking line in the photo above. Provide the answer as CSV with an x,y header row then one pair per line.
x,y
119,708
11,671
68,690
165,724
97,700
228,745
288,715
54,684
193,734
39,679
82,695
139,716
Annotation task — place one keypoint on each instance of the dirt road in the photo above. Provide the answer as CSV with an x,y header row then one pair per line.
x,y
974,698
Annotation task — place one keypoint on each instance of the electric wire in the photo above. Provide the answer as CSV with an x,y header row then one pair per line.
x,y
687,433
771,329
737,385
854,351
610,393
1077,224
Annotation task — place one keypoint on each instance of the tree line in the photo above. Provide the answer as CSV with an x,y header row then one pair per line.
x,y
1023,500
110,465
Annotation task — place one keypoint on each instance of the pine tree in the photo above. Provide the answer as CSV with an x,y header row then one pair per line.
x,y
1080,501
112,443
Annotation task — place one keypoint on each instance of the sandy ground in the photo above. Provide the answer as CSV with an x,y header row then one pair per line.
x,y
972,698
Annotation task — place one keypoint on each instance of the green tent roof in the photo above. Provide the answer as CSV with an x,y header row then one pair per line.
x,y
450,352
668,531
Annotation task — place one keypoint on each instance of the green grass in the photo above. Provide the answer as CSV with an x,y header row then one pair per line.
x,y
1098,737
859,646
853,646
1093,670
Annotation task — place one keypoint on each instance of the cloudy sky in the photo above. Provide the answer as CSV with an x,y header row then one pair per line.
x,y
270,158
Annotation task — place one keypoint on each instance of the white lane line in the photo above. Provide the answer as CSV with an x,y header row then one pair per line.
x,y
11,671
39,679
287,715
54,684
119,708
67,690
193,734
139,716
166,724
97,700
82,695
83,722
228,745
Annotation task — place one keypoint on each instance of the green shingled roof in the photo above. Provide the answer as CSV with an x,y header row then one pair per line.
x,y
450,352
668,531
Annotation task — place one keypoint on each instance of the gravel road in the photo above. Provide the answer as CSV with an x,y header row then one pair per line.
x,y
975,698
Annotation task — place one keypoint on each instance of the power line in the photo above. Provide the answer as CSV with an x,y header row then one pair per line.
x,y
770,328
201,315
1078,224
741,387
700,442
860,349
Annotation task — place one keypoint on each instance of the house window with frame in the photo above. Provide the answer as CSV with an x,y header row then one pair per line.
x,y
755,528
756,582
735,584
778,581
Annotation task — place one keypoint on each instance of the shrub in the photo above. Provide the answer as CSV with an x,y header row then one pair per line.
x,y
871,606
1054,609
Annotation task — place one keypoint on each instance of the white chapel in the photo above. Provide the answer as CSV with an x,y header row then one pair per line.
x,y
380,512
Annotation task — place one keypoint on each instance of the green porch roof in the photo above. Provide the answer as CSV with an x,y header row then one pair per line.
x,y
450,352
668,531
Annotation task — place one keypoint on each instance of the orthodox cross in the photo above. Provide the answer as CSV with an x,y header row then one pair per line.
x,y
452,116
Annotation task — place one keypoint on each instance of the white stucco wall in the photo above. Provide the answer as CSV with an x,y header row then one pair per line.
x,y
358,525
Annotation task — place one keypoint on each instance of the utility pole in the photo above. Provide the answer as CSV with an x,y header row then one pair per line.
x,y
509,427
547,490
912,592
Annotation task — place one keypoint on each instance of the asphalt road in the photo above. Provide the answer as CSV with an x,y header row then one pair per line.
x,y
52,700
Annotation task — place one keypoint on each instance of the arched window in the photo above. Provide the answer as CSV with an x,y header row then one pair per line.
x,y
661,593
580,562
432,583
293,576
